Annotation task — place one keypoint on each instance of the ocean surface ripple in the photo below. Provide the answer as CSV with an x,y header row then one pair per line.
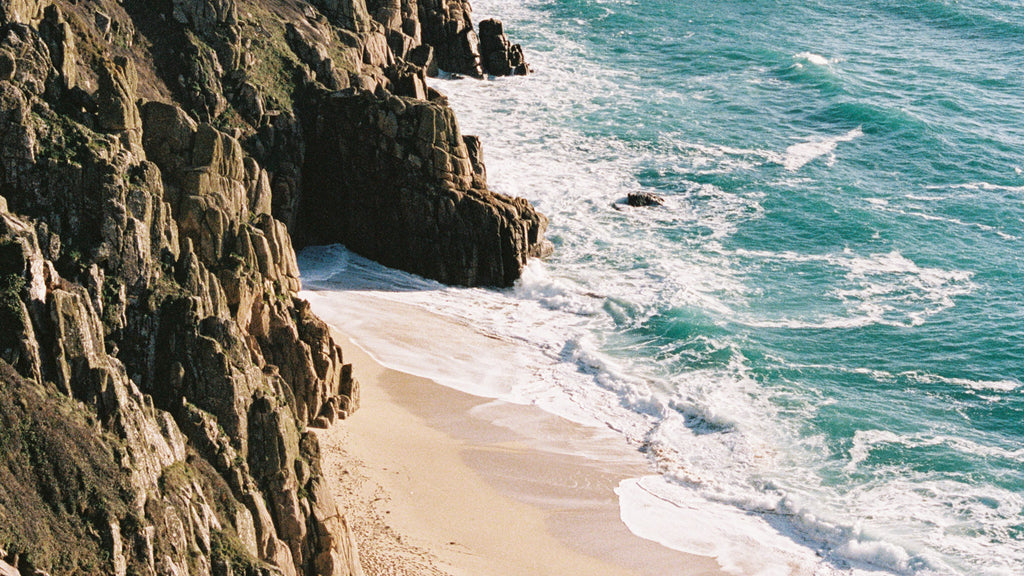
x,y
819,339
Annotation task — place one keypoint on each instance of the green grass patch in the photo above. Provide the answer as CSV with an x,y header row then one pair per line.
x,y
63,140
60,479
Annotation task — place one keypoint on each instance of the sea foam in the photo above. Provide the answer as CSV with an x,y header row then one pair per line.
x,y
647,322
798,155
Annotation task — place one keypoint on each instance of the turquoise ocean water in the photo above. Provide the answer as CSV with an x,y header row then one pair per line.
x,y
822,331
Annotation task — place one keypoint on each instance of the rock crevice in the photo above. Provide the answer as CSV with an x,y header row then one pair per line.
x,y
158,371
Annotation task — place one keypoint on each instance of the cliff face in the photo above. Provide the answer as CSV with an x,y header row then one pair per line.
x,y
384,166
157,372
158,368
395,180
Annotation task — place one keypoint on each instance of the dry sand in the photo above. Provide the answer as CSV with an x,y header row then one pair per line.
x,y
433,486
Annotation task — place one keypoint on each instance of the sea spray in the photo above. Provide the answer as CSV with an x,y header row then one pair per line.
x,y
817,339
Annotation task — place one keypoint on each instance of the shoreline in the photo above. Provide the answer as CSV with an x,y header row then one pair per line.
x,y
441,482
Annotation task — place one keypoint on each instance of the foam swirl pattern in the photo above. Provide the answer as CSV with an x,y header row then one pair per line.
x,y
818,340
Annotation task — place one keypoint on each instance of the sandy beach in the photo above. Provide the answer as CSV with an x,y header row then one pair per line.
x,y
433,485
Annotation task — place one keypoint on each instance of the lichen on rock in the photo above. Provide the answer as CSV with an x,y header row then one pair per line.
x,y
116,278
157,369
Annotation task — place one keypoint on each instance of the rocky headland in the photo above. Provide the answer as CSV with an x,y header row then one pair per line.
x,y
160,161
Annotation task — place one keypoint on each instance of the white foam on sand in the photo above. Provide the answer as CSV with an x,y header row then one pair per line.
x,y
659,511
744,544
482,342
712,431
708,436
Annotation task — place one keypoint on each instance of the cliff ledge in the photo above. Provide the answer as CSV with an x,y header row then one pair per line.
x,y
157,371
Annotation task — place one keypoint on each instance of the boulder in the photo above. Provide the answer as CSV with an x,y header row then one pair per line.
x,y
498,55
423,56
644,199
408,80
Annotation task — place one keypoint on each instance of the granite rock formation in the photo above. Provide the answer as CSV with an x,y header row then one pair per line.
x,y
498,55
159,368
644,199
158,373
447,26
394,179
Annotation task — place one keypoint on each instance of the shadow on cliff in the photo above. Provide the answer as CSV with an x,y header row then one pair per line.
x,y
335,267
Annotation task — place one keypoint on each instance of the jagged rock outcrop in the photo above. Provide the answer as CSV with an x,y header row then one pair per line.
x,y
498,55
393,179
383,47
22,11
157,371
644,199
447,26
348,14
157,365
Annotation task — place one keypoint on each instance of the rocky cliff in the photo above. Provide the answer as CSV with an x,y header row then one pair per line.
x,y
157,371
394,179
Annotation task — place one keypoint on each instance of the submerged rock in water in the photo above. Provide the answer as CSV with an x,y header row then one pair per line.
x,y
644,199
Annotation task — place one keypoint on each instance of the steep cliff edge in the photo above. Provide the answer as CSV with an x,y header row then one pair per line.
x,y
394,179
384,166
157,371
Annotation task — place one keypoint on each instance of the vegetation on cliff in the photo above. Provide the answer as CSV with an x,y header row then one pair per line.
x,y
157,371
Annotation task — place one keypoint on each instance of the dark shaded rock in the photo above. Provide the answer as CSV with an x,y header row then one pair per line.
x,y
61,40
476,160
401,44
644,199
279,147
200,81
348,14
7,66
423,56
497,54
436,97
447,25
393,179
408,80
